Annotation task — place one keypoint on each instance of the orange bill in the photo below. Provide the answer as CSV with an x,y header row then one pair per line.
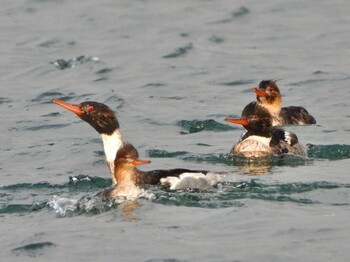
x,y
260,92
238,121
71,107
138,162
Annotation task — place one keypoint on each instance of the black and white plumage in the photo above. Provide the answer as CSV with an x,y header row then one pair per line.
x,y
261,138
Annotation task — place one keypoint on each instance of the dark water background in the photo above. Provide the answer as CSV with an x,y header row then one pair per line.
x,y
172,70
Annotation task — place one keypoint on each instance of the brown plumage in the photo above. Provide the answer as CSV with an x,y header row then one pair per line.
x,y
268,95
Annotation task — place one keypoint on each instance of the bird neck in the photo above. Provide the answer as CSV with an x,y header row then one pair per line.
x,y
273,104
125,177
111,144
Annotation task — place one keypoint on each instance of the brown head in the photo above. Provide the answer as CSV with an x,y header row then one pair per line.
x,y
126,161
269,96
256,119
98,115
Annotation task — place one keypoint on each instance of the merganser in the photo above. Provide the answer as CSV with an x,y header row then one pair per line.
x,y
268,95
261,139
126,174
105,122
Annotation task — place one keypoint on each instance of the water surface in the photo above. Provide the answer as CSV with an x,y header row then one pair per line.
x,y
172,70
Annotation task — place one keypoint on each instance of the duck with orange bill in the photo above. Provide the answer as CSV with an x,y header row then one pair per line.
x,y
261,138
268,96
105,122
126,174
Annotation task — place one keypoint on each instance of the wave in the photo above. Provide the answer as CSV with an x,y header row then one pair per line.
x,y
195,126
330,152
179,51
223,194
78,195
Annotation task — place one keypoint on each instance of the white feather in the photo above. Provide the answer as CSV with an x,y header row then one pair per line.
x,y
111,144
288,137
191,180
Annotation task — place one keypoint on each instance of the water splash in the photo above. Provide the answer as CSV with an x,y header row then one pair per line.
x,y
73,62
222,194
63,205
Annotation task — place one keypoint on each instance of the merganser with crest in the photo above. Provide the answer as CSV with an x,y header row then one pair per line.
x,y
126,174
105,122
261,138
268,95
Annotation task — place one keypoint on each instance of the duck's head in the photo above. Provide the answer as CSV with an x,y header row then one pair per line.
x,y
256,119
268,92
98,115
126,161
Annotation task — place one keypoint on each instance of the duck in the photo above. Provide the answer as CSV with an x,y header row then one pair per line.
x,y
128,177
268,96
261,137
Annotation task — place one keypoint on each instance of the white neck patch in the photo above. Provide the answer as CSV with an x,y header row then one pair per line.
x,y
111,144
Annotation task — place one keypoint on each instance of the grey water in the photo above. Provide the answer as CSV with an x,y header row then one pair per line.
x,y
172,71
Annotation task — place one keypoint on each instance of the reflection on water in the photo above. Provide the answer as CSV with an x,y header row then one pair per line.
x,y
254,169
128,210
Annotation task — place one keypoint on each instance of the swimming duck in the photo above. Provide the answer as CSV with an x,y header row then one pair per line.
x,y
268,95
261,138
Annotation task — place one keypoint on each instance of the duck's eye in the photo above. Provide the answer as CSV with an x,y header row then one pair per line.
x,y
255,117
90,108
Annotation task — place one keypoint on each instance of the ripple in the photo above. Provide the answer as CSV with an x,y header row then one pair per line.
x,y
4,100
330,152
156,153
154,85
21,208
238,82
223,194
242,11
192,198
23,186
104,71
73,62
83,182
179,51
306,82
44,127
114,99
49,43
210,158
47,96
195,126
216,39
259,163
33,249
232,194
86,183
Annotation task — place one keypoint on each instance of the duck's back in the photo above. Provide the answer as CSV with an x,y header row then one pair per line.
x,y
296,115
